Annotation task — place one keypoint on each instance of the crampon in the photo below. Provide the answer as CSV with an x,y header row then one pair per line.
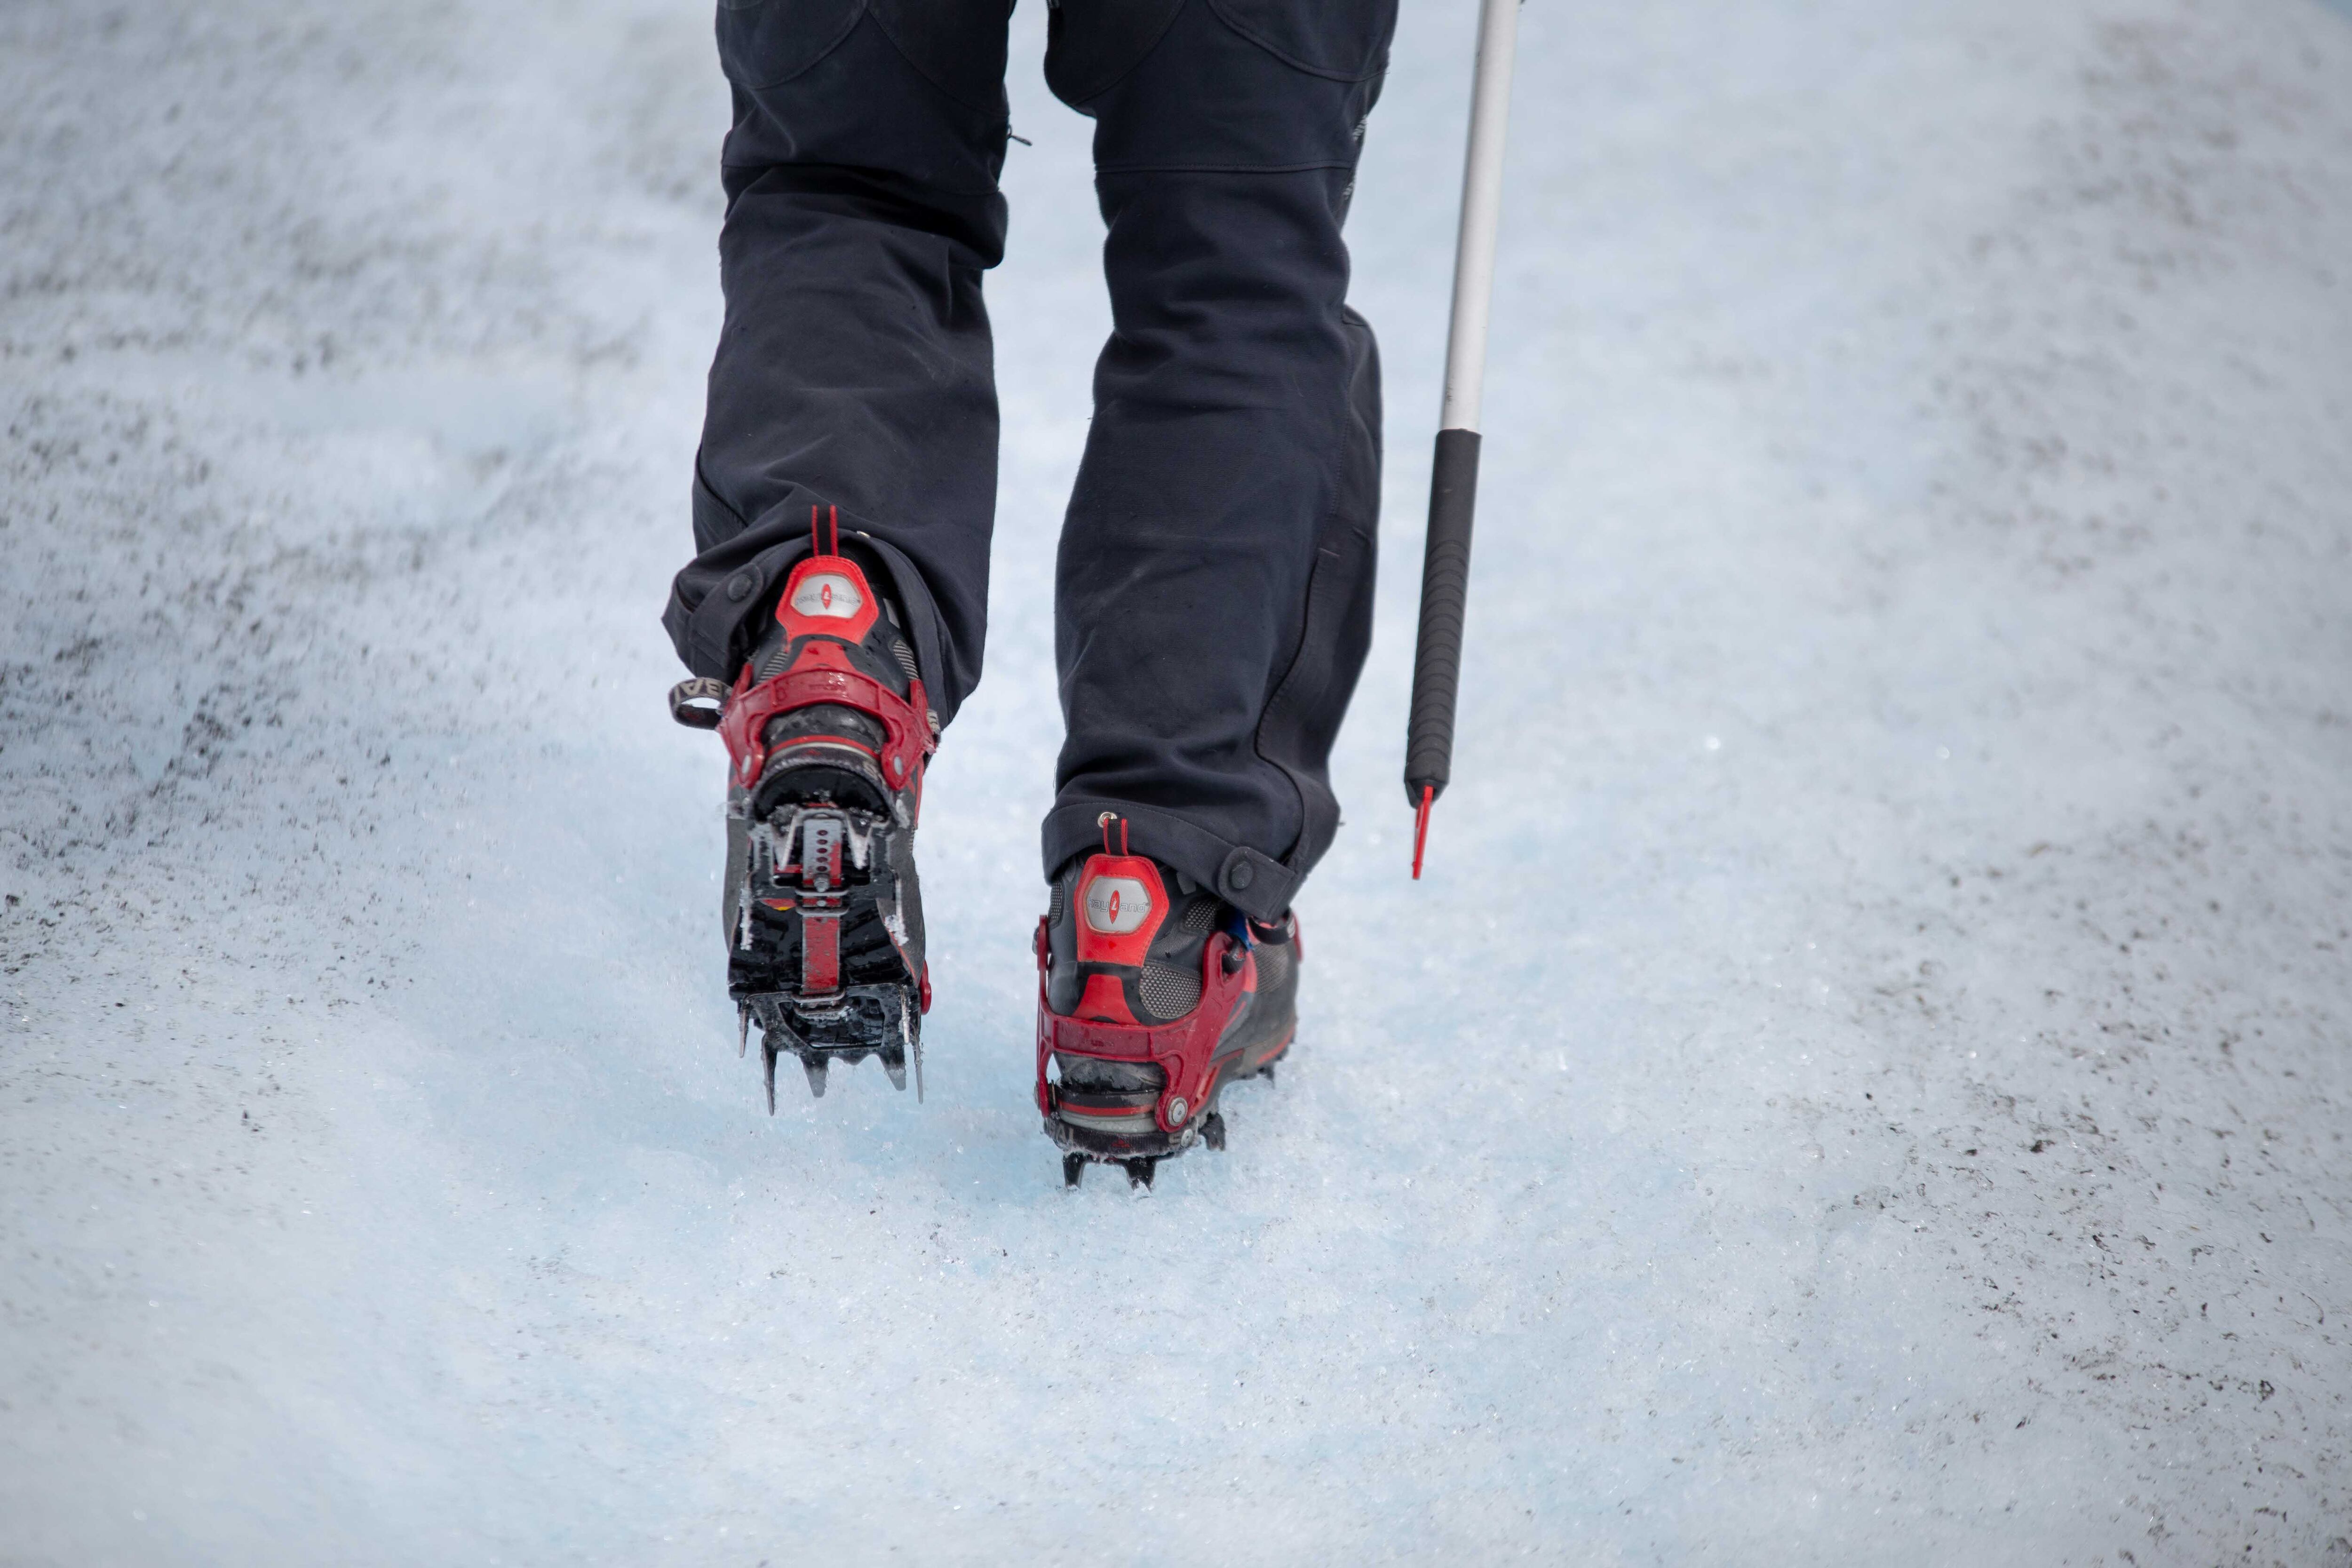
x,y
1153,995
828,731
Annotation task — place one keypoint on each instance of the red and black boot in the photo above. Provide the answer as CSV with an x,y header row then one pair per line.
x,y
1154,995
827,733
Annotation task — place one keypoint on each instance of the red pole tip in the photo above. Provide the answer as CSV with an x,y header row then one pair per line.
x,y
1421,826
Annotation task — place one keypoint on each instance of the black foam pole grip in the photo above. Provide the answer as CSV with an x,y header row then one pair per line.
x,y
1444,597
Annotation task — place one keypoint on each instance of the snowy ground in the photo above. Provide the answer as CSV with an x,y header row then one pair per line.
x,y
1866,1078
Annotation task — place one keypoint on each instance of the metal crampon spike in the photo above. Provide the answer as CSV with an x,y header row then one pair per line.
x,y
813,1064
742,1028
1139,1172
767,1060
1073,1168
1266,1072
894,1062
1213,1129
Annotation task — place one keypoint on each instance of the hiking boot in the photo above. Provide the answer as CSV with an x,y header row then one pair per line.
x,y
827,733
1154,995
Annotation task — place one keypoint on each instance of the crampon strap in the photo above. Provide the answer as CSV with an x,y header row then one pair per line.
x,y
1185,1051
822,673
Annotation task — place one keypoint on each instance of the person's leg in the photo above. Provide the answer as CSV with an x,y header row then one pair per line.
x,y
854,367
1215,579
853,386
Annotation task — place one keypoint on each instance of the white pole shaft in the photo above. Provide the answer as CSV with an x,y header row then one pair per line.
x,y
1482,207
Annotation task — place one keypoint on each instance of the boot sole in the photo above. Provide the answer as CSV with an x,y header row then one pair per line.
x,y
873,1006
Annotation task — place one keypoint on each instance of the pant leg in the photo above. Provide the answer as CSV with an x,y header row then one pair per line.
x,y
1214,585
854,367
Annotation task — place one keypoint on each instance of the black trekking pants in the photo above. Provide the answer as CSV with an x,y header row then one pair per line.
x,y
1214,585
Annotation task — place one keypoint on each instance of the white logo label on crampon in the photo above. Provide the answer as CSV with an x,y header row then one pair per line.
x,y
828,594
1116,905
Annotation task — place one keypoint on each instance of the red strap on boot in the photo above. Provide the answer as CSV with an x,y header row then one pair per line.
x,y
1185,1051
822,674
827,596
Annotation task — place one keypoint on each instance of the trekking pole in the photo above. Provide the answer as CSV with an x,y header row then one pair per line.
x,y
1453,477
